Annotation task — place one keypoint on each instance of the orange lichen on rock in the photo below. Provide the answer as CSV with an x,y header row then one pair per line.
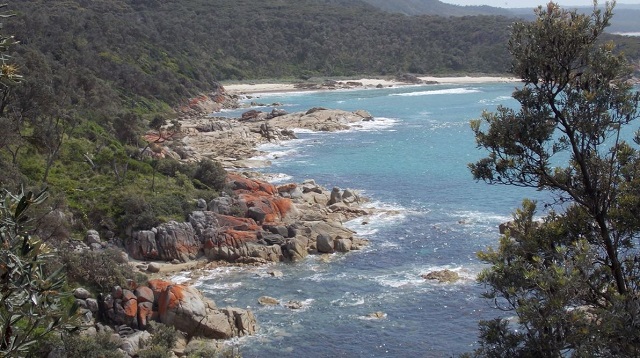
x,y
284,206
170,298
196,100
287,187
130,308
241,184
274,208
235,236
245,224
158,286
145,314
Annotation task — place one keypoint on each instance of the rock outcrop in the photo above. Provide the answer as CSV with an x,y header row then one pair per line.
x,y
167,242
442,276
260,223
180,306
232,141
214,101
127,314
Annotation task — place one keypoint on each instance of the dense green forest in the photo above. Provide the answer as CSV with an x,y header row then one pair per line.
x,y
172,49
435,7
98,74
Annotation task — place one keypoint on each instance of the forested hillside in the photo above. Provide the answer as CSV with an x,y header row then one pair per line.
x,y
171,49
98,74
625,17
435,7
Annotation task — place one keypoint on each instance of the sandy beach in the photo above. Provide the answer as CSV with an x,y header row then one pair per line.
x,y
251,88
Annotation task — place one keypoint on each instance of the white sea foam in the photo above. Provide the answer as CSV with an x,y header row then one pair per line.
x,y
373,317
399,280
384,214
305,130
496,100
438,92
276,178
182,277
378,123
318,277
435,125
275,155
467,274
223,286
348,299
469,217
411,278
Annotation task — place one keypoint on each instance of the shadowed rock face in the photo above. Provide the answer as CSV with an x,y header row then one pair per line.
x,y
169,241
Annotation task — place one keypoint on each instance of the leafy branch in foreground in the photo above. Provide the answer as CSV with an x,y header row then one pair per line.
x,y
30,298
572,279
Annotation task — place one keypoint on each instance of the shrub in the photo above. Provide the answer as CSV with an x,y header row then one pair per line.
x,y
155,352
101,345
163,335
31,306
211,174
99,270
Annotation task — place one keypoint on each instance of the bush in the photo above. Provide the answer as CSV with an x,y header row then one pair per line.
x,y
210,174
155,352
163,340
163,335
101,345
135,212
99,270
31,307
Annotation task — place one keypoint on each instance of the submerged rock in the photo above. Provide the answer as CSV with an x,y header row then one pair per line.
x,y
294,305
268,301
443,276
377,315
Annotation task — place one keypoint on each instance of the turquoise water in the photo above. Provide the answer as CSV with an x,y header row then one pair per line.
x,y
412,158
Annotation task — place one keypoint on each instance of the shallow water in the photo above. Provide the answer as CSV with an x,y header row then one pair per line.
x,y
413,157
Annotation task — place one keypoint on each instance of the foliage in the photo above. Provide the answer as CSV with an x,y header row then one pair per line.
x,y
210,174
436,7
30,299
99,270
163,340
155,352
99,74
100,346
203,349
149,56
572,278
163,335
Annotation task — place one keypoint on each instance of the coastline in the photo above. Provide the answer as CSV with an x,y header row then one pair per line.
x,y
236,142
253,88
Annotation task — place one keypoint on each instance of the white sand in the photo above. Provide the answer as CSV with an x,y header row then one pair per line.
x,y
468,79
245,88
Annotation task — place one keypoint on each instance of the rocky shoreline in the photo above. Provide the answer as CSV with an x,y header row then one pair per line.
x,y
252,223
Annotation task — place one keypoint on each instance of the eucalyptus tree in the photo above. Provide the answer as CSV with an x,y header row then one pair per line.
x,y
572,278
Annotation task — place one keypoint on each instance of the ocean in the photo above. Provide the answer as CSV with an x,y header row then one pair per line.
x,y
412,159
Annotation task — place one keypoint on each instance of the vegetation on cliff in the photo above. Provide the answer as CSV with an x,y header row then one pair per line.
x,y
571,279
90,78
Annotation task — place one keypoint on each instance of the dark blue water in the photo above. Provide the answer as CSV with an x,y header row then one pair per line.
x,y
412,158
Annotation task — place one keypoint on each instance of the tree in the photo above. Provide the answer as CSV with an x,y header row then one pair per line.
x,y
30,298
572,279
